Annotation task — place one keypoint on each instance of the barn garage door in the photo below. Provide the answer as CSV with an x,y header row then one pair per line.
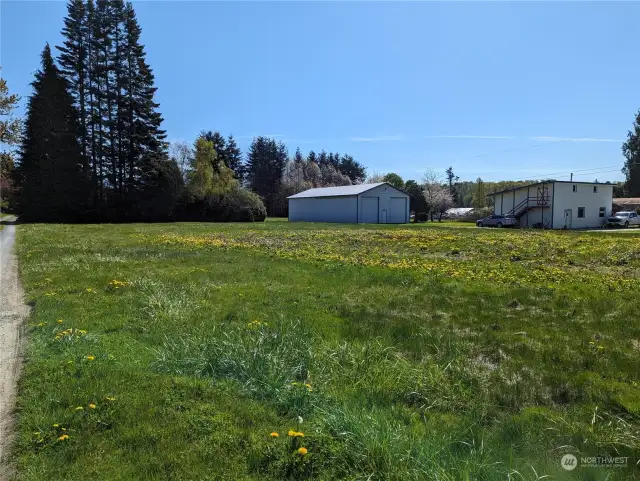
x,y
398,210
369,210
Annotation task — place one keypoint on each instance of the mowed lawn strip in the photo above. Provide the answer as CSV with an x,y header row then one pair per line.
x,y
182,347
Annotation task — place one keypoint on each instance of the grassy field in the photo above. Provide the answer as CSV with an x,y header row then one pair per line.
x,y
177,351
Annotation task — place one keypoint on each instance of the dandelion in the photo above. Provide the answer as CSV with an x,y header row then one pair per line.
x,y
90,358
92,406
79,408
90,289
308,386
56,425
64,437
110,398
302,451
291,433
59,321
42,324
274,435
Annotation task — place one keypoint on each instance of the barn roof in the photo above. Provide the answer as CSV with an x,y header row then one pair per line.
x,y
342,190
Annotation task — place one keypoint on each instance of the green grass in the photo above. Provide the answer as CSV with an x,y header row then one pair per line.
x,y
425,355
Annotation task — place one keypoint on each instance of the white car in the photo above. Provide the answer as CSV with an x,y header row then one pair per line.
x,y
623,219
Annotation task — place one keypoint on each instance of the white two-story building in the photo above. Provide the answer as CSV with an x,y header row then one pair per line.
x,y
557,204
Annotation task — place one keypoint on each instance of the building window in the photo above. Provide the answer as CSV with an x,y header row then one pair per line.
x,y
575,188
580,212
603,211
595,189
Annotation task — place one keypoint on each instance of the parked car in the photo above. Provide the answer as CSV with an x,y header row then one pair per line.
x,y
495,220
623,219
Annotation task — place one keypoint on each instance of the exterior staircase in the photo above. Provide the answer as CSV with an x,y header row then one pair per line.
x,y
526,205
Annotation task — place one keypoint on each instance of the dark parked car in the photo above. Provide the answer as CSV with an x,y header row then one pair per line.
x,y
495,220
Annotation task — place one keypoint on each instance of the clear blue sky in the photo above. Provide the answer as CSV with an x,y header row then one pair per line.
x,y
542,88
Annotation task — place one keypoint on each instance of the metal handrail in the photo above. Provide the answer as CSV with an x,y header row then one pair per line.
x,y
525,202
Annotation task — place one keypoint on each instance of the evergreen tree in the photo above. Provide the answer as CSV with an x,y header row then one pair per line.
x,y
298,159
311,157
352,169
50,170
73,60
266,162
479,195
113,90
323,158
233,158
631,151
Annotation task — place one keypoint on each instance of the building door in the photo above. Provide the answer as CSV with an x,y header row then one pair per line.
x,y
398,210
383,216
567,218
369,210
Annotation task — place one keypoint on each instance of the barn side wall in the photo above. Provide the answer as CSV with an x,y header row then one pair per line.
x,y
324,209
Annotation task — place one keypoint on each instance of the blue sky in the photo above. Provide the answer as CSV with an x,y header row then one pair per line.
x,y
499,90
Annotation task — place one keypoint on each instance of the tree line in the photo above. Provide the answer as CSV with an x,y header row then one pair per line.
x,y
269,170
93,149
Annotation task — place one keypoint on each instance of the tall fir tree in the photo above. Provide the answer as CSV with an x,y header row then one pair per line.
x,y
233,158
113,90
631,151
51,163
266,161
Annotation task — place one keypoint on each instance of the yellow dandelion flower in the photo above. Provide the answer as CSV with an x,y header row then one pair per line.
x,y
56,425
291,433
302,451
90,358
64,437
92,406
299,435
59,321
79,408
274,435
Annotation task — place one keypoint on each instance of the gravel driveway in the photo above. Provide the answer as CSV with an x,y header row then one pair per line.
x,y
13,311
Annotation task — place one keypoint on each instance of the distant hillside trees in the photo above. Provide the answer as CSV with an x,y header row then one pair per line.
x,y
631,152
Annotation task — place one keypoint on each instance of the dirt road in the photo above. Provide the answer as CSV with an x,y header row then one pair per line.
x,y
13,311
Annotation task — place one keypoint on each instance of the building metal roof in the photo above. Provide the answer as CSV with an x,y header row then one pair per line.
x,y
458,210
340,191
548,182
626,200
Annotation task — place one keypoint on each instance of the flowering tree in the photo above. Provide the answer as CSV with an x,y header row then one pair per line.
x,y
437,196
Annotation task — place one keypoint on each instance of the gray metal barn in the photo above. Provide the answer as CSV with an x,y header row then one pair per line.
x,y
379,203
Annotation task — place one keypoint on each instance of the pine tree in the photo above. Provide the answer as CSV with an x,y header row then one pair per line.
x,y
312,157
113,90
352,169
73,60
50,170
233,158
266,162
631,151
479,195
298,159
